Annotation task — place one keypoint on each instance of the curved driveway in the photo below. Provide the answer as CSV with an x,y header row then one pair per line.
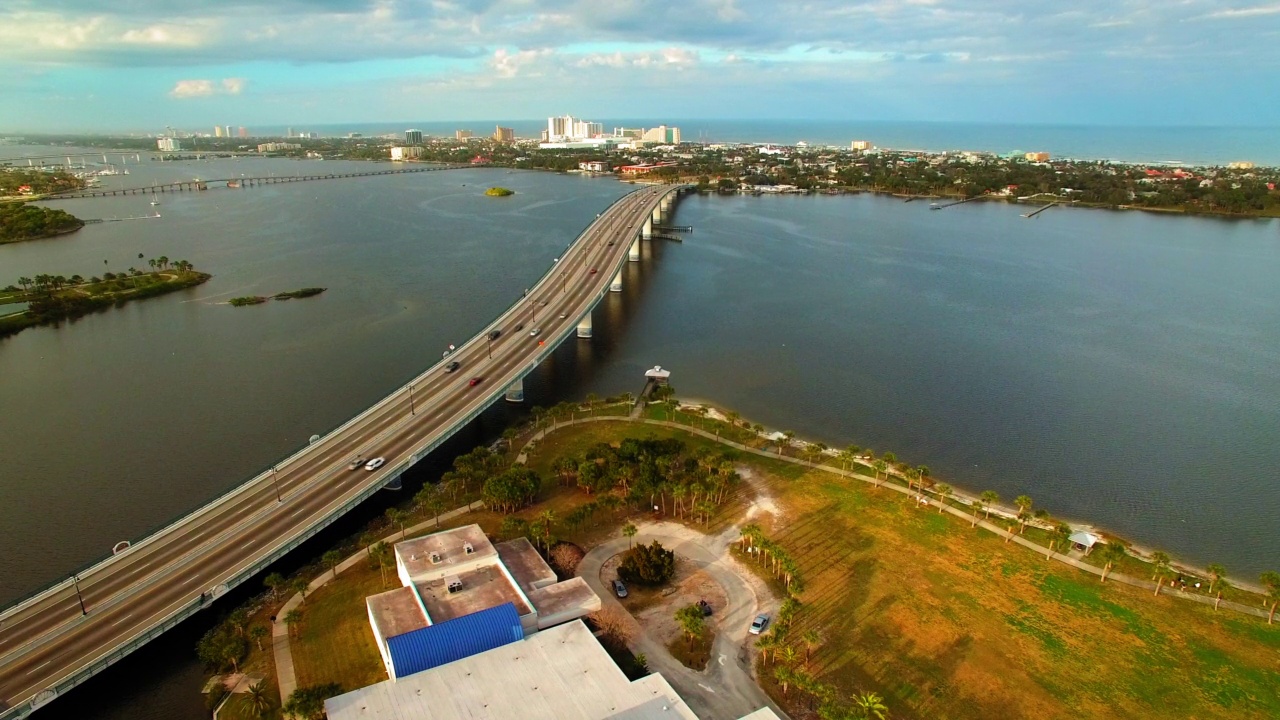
x,y
46,642
726,689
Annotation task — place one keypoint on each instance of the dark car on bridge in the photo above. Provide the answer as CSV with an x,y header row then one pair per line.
x,y
494,335
475,381
452,366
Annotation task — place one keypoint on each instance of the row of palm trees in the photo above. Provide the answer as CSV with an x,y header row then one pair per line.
x,y
52,283
772,555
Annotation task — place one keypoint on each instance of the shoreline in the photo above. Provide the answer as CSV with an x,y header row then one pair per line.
x,y
967,497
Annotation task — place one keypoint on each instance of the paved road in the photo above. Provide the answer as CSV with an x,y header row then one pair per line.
x,y
726,689
46,640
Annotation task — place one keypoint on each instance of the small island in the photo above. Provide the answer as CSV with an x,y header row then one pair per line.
x,y
52,298
304,292
259,299
499,192
21,221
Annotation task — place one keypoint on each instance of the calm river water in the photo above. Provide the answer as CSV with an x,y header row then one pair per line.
x,y
1120,368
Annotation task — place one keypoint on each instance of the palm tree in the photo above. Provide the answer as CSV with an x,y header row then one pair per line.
x,y
164,261
1160,564
275,582
789,655
383,553
1271,579
1059,538
396,517
944,492
259,698
812,639
880,466
592,399
1223,586
629,530
152,263
989,498
784,677
1024,511
300,585
257,633
292,619
766,643
1111,553
870,706
1216,573
331,558
790,436
24,282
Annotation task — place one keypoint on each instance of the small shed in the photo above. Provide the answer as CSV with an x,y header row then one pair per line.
x,y
1085,541
454,639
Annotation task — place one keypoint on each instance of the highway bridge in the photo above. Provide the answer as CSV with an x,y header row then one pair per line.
x,y
196,185
54,640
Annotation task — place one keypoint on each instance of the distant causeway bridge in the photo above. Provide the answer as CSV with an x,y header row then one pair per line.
x,y
196,185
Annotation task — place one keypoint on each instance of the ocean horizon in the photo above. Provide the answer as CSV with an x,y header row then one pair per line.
x,y
1178,145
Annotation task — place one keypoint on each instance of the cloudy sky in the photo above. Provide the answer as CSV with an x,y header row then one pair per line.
x,y
143,64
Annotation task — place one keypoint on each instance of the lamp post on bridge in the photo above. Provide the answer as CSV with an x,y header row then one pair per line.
x,y
75,580
276,483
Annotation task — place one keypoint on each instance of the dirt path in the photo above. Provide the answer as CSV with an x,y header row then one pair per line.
x,y
726,689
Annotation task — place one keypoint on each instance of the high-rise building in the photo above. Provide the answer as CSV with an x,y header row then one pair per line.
x,y
633,133
560,128
860,145
413,137
244,132
502,134
462,135
217,131
662,134
1036,156
169,144
226,131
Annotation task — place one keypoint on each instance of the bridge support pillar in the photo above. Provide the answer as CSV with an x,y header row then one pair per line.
x,y
633,253
584,327
647,232
657,215
616,285
515,392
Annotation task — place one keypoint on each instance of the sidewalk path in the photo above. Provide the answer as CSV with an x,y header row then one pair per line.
x,y
286,678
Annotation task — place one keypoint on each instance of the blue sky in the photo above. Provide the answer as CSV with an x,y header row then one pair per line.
x,y
142,65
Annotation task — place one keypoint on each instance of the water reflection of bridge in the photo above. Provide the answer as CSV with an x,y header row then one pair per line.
x,y
196,185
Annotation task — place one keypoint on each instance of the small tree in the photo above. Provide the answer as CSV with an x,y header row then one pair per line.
x,y
615,625
870,706
300,585
1024,511
1111,553
1216,573
292,619
331,558
1271,580
257,634
1160,566
221,647
691,622
944,492
308,702
648,564
629,531
259,698
397,517
989,498
275,582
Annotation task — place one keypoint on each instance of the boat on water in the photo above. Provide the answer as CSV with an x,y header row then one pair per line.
x,y
233,183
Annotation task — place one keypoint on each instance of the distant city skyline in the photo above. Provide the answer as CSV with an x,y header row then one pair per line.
x,y
78,65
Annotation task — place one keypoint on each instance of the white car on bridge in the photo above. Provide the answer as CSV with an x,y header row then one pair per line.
x,y
374,464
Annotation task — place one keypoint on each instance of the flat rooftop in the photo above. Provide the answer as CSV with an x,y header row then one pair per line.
x,y
525,564
482,588
558,674
450,545
570,599
395,612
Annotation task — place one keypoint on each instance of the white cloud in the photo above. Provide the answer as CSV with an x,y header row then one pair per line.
x,y
1233,13
204,88
192,88
510,64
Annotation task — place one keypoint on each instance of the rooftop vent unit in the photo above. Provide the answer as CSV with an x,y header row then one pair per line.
x,y
435,558
466,547
455,585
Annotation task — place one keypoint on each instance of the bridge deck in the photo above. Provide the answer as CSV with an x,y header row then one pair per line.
x,y
47,646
